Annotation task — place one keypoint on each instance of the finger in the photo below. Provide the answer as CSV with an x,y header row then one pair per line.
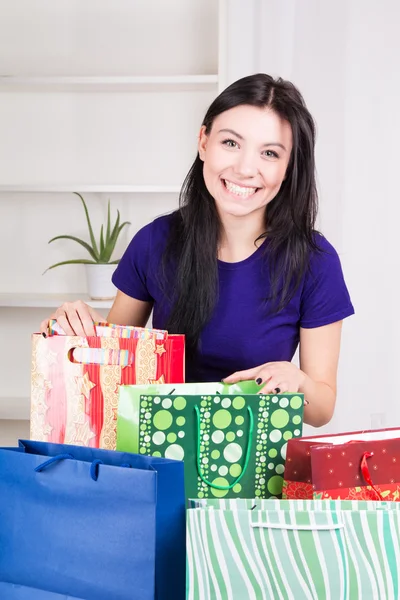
x,y
96,316
271,385
64,323
282,388
44,327
82,318
264,375
242,375
88,326
77,325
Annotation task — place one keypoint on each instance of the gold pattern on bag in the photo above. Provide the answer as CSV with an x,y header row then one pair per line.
x,y
38,429
85,385
145,361
110,378
83,434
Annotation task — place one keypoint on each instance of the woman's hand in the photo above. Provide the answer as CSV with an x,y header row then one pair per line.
x,y
274,377
316,378
75,318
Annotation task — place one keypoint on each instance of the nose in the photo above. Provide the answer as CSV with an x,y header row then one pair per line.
x,y
246,164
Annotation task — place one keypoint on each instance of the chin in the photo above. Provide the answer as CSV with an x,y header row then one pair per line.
x,y
237,211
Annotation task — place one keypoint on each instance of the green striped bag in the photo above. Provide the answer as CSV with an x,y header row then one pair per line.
x,y
339,554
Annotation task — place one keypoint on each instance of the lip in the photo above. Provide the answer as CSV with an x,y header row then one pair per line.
x,y
236,196
223,179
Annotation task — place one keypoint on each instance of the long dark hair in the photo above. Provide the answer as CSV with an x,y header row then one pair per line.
x,y
195,231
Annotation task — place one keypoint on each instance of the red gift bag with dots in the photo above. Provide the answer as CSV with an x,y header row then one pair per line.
x,y
361,465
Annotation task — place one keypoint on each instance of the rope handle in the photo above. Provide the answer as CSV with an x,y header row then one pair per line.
x,y
247,457
366,474
52,460
94,466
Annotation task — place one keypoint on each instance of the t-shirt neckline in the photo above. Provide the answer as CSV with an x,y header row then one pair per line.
x,y
231,266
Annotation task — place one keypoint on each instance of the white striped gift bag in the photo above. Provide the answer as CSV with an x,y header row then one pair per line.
x,y
316,554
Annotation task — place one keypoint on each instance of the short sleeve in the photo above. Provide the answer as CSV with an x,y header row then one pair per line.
x,y
130,276
325,298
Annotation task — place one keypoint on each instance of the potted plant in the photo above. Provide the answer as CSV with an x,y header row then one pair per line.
x,y
100,267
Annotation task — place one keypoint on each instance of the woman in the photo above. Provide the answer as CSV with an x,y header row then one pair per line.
x,y
239,268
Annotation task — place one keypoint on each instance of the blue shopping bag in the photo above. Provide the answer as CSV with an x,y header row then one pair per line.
x,y
89,524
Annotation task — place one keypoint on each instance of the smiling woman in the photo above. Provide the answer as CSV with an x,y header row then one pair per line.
x,y
239,268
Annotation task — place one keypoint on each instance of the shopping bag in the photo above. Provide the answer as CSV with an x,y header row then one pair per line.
x,y
91,524
362,465
338,552
74,380
233,443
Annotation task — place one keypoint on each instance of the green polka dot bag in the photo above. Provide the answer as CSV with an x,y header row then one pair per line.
x,y
233,443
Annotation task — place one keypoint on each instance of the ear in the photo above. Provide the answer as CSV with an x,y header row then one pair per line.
x,y
202,143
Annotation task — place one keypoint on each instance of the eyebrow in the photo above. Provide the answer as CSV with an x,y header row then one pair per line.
x,y
240,137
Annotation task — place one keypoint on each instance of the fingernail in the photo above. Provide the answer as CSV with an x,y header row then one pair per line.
x,y
44,335
258,381
277,390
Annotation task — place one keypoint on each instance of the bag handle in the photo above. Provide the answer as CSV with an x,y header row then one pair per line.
x,y
94,466
298,527
52,460
100,356
366,474
247,457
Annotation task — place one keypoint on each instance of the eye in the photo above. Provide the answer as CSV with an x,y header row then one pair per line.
x,y
271,154
230,143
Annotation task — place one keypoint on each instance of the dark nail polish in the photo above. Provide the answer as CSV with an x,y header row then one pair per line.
x,y
277,390
258,381
44,335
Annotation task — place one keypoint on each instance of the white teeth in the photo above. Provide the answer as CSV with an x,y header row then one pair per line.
x,y
244,192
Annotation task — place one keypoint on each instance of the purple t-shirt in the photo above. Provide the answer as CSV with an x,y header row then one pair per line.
x,y
241,334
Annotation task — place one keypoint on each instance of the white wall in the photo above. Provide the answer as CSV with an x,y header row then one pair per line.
x,y
371,209
343,56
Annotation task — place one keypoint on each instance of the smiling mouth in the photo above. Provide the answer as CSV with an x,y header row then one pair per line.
x,y
239,190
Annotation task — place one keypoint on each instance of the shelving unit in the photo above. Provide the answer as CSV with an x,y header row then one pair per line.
x,y
117,120
48,300
90,188
160,83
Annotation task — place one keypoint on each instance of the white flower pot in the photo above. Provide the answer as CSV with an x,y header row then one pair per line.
x,y
100,286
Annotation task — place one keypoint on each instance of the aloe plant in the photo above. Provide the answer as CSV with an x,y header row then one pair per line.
x,y
101,252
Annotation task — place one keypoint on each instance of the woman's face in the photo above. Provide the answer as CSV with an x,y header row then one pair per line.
x,y
245,157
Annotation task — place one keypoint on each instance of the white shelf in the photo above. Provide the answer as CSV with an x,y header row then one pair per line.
x,y
108,84
17,409
85,188
47,300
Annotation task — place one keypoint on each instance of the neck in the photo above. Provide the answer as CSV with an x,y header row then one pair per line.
x,y
238,235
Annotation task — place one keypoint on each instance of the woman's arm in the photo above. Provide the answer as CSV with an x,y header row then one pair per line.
x,y
319,357
316,377
129,311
